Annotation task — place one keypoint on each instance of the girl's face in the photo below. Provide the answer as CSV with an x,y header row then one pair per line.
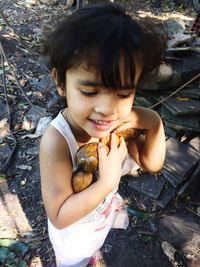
x,y
94,110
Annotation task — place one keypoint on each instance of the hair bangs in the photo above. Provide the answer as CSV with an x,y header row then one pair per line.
x,y
113,59
119,75
116,64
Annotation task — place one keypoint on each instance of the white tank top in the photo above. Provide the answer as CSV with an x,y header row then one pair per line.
x,y
83,238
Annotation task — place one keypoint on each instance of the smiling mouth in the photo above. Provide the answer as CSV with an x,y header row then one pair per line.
x,y
100,122
102,125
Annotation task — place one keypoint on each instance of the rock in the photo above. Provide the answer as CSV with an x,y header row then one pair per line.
x,y
182,233
181,39
41,127
32,117
174,27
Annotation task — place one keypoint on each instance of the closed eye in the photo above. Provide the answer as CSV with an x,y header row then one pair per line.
x,y
125,95
87,93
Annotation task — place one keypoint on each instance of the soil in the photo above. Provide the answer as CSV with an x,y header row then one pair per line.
x,y
141,244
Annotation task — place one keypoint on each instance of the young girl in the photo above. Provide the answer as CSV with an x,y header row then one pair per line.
x,y
97,56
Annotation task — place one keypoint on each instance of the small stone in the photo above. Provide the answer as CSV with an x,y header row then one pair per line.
x,y
23,182
108,248
24,167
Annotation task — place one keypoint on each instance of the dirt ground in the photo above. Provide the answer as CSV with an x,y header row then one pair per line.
x,y
141,244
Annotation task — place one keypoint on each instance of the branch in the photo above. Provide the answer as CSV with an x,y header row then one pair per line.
x,y
16,80
8,111
180,88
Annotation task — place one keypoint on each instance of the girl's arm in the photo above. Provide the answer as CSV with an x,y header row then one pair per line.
x,y
62,205
148,150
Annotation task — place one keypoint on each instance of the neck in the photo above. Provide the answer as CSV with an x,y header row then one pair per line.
x,y
80,135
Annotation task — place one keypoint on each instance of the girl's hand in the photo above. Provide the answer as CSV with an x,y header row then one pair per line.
x,y
147,150
125,125
110,164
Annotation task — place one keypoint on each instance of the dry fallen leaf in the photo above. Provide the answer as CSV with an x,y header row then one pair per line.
x,y
4,128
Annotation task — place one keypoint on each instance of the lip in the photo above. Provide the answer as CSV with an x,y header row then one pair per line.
x,y
102,125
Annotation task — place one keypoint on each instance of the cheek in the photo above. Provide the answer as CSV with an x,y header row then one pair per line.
x,y
125,108
77,104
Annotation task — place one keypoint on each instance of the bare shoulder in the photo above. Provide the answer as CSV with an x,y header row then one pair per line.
x,y
53,150
52,138
144,111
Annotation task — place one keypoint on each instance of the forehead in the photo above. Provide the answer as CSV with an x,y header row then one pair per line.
x,y
93,71
84,70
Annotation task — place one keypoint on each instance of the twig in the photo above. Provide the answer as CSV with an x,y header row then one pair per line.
x,y
16,80
5,91
8,110
5,58
192,211
180,88
145,233
18,38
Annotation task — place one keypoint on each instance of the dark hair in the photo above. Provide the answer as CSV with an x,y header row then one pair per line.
x,y
101,34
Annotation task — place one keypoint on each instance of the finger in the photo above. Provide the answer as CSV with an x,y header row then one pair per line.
x,y
104,139
102,153
122,127
122,143
123,148
114,143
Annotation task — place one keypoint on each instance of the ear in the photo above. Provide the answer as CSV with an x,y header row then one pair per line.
x,y
60,87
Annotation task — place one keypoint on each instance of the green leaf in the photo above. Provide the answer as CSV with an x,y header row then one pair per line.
x,y
2,177
5,68
14,245
22,264
10,259
139,213
3,254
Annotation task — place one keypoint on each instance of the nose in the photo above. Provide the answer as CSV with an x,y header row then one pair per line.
x,y
106,105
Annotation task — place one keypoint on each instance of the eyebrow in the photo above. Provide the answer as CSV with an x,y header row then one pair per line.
x,y
96,84
88,83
